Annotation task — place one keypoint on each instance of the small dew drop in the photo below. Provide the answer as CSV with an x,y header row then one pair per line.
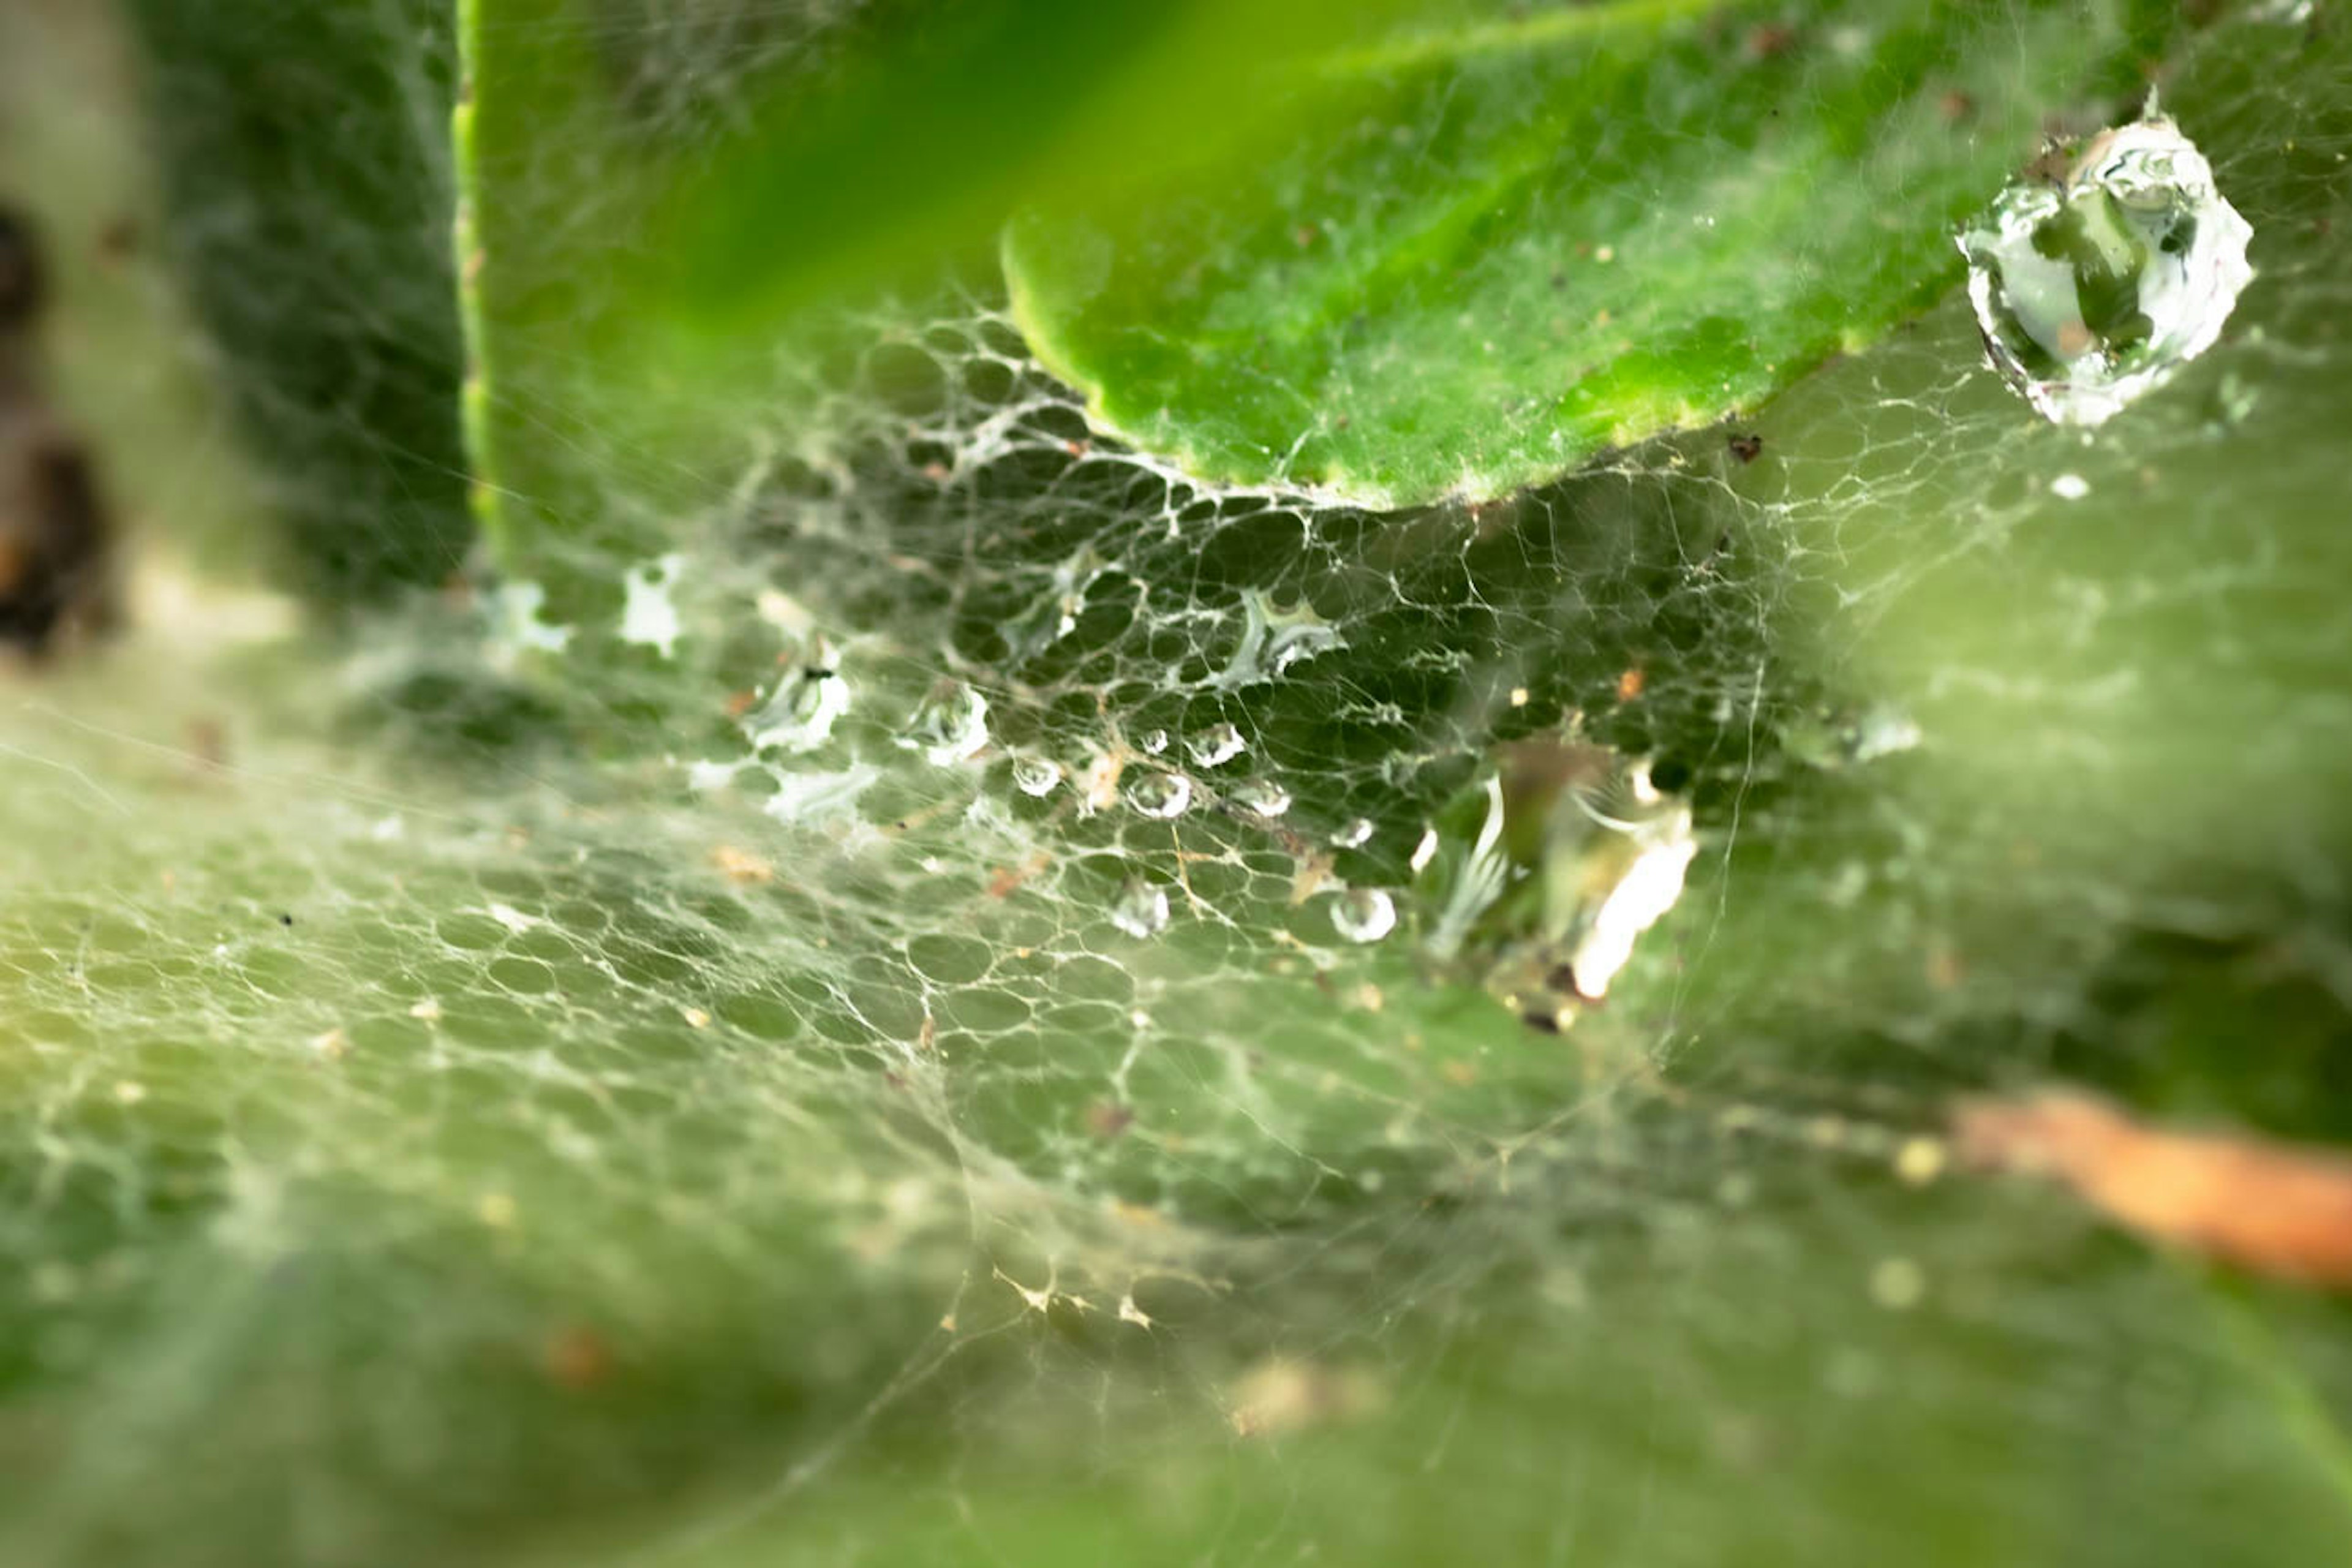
x,y
1353,835
799,716
2070,487
1363,914
650,617
1161,794
1262,797
1142,909
1035,775
1216,745
951,725
514,620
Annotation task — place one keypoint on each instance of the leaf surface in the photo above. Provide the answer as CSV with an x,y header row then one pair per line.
x,y
1509,238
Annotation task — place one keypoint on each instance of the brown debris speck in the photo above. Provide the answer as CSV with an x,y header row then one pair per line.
x,y
743,867
1006,881
577,1357
2275,1209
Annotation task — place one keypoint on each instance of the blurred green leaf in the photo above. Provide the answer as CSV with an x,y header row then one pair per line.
x,y
308,196
658,195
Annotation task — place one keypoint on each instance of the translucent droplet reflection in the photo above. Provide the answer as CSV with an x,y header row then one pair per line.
x,y
2094,283
1363,914
1035,775
1161,794
950,724
1141,909
1262,797
1216,745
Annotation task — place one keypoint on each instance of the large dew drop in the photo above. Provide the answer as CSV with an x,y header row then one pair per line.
x,y
2094,282
1141,909
1555,863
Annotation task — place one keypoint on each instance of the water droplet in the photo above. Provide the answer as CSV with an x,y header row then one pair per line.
x,y
951,725
1353,835
1636,867
1272,639
1155,742
650,617
2093,284
1035,775
1609,859
2070,487
799,715
1161,794
1828,739
1262,797
513,612
1363,914
1142,909
1216,745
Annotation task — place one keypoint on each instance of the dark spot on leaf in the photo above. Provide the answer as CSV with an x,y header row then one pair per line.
x,y
578,1358
1748,448
118,239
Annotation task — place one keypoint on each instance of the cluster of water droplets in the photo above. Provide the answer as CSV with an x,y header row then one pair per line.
x,y
1138,677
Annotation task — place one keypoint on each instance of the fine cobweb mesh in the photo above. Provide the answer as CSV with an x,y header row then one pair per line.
x,y
962,1037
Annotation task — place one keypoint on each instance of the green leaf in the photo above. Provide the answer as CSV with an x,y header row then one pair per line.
x,y
726,171
308,219
1509,240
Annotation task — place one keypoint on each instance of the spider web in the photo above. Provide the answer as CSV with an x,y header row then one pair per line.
x,y
802,1138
